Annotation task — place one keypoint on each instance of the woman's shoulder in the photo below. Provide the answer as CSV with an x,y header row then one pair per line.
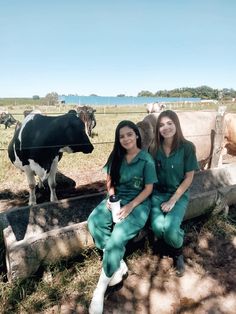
x,y
188,146
145,155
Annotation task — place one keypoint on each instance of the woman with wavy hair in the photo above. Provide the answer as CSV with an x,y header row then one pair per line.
x,y
176,161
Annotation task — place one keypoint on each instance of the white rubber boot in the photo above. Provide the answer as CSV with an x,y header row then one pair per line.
x,y
96,305
117,277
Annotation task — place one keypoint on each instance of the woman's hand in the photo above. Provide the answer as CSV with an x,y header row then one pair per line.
x,y
125,211
167,206
108,204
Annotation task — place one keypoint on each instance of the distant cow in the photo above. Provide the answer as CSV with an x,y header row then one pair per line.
x,y
198,127
86,114
26,113
155,107
38,144
7,119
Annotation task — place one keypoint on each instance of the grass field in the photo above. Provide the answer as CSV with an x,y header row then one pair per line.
x,y
72,282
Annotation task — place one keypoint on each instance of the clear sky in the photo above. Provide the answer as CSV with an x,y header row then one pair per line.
x,y
110,47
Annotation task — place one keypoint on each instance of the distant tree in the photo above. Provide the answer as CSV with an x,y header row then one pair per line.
x,y
51,99
204,92
94,95
186,94
36,97
227,93
120,95
145,93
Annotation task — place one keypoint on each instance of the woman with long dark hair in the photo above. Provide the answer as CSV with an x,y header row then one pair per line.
x,y
130,176
175,160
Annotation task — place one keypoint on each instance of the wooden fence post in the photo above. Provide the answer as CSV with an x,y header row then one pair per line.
x,y
218,138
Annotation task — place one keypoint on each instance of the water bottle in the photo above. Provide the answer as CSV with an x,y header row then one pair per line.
x,y
115,207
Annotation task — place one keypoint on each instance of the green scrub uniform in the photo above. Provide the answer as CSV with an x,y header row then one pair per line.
x,y
114,237
170,173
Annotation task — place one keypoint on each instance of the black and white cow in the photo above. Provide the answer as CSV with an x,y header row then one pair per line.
x,y
38,144
7,119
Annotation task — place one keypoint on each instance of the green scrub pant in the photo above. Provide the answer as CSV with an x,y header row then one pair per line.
x,y
167,225
114,237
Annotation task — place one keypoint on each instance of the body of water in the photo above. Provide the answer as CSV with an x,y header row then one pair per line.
x,y
113,101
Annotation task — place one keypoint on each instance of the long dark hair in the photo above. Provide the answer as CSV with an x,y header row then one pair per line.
x,y
178,137
117,155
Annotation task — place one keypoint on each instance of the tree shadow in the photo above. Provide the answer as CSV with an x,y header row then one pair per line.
x,y
211,275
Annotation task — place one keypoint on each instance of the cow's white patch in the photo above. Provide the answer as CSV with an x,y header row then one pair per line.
x,y
66,149
52,180
38,170
17,161
25,121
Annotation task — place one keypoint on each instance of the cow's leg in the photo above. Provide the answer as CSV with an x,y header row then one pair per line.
x,y
40,183
52,180
222,153
32,185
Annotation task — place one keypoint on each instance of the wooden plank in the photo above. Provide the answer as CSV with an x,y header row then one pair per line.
x,y
216,159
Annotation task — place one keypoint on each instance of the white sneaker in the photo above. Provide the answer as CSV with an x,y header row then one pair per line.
x,y
96,305
119,274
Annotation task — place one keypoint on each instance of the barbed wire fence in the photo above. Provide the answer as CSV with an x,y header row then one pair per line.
x,y
104,111
5,148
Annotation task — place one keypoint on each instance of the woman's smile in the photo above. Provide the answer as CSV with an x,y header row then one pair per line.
x,y
167,127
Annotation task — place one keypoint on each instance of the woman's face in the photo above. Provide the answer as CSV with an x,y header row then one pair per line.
x,y
167,127
128,138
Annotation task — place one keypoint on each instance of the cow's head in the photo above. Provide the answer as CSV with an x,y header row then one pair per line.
x,y
77,136
147,133
87,115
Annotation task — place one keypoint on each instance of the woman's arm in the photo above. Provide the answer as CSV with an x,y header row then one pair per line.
x,y
127,209
110,189
167,206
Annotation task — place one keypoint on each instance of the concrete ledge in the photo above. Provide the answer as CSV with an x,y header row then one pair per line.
x,y
51,232
24,257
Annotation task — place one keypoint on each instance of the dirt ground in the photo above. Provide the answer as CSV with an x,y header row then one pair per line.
x,y
208,286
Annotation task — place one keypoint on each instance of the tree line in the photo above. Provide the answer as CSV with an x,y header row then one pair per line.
x,y
203,92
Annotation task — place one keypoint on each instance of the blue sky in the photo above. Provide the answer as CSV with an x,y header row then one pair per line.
x,y
115,47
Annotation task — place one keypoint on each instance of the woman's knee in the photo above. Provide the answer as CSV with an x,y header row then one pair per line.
x,y
91,224
174,236
157,225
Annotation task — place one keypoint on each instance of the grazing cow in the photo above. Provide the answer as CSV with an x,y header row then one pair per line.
x,y
199,128
7,119
26,113
86,114
38,144
31,111
155,107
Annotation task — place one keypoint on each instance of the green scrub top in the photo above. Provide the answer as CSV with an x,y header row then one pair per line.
x,y
135,175
171,170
